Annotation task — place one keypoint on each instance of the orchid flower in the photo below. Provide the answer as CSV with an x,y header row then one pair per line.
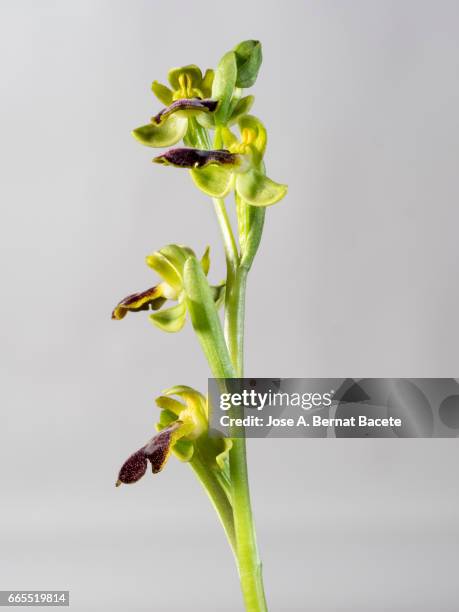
x,y
239,166
182,427
168,262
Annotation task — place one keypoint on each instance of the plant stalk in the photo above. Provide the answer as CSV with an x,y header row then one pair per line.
x,y
249,565
248,561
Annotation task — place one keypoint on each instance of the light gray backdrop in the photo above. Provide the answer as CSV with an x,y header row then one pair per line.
x,y
357,276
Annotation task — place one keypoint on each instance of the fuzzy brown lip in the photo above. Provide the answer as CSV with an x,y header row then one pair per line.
x,y
197,104
196,158
144,300
156,451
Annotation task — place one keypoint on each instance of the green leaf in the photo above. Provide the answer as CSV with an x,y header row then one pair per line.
x,y
241,108
205,319
258,190
165,135
223,85
170,319
163,93
214,181
248,60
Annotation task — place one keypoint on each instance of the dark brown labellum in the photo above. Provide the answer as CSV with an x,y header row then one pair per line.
x,y
144,300
196,158
185,104
157,451
133,468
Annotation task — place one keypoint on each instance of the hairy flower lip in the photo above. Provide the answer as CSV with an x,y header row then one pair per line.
x,y
184,157
185,104
144,300
156,451
133,468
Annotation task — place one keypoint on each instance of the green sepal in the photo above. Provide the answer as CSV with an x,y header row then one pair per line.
x,y
223,85
171,319
258,190
183,450
177,253
193,71
168,262
181,390
170,405
164,135
194,410
242,108
163,266
163,93
213,180
248,59
190,395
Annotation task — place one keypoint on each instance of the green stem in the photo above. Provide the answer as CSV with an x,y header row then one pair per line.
x,y
229,242
225,357
234,318
249,565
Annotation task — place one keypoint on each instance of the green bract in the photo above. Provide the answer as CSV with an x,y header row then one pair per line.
x,y
248,61
223,86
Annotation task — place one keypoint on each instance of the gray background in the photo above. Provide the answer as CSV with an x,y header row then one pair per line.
x,y
357,276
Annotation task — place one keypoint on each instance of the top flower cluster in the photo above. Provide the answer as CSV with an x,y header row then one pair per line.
x,y
202,110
